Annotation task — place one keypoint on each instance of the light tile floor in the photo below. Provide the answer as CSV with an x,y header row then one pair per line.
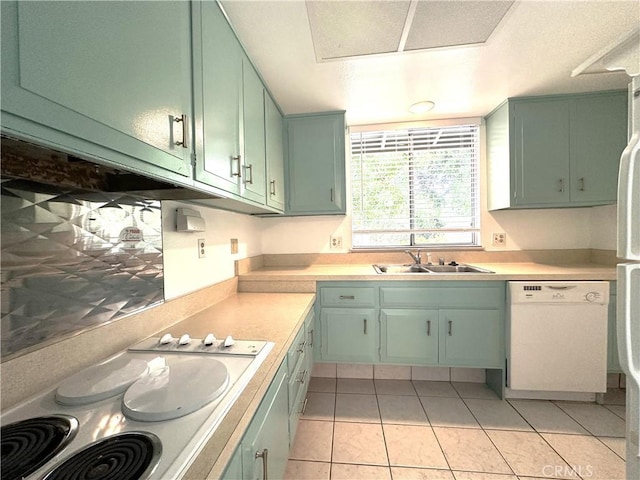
x,y
361,429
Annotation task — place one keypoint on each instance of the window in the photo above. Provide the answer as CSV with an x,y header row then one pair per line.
x,y
415,187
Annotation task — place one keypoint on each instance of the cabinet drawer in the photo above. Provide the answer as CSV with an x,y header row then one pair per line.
x,y
298,348
347,296
479,297
298,379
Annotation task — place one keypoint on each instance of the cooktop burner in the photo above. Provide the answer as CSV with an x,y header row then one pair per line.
x,y
127,456
29,444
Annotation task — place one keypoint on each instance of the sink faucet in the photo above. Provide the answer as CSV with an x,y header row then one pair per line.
x,y
417,258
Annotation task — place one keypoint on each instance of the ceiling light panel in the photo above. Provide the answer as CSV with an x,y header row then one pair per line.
x,y
450,23
347,28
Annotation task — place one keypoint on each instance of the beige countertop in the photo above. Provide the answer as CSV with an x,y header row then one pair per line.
x,y
251,316
303,278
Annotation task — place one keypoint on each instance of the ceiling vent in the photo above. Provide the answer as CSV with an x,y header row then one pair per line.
x,y
343,29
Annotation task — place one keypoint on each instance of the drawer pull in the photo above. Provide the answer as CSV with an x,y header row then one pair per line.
x,y
272,187
311,338
264,455
347,297
301,347
365,325
301,378
450,327
582,189
304,406
428,328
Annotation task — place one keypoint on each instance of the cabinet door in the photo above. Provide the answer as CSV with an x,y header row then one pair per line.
x,y
349,334
598,137
275,154
470,337
315,164
253,162
541,153
409,336
266,443
234,468
103,80
217,79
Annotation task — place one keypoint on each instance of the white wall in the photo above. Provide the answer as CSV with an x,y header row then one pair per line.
x,y
184,272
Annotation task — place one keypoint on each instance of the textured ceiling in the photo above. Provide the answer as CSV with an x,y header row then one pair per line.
x,y
531,51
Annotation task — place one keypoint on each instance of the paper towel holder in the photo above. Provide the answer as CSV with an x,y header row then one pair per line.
x,y
189,220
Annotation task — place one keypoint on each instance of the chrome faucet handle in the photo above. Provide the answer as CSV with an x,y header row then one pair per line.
x,y
416,257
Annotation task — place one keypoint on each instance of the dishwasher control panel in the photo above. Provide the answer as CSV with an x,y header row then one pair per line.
x,y
559,292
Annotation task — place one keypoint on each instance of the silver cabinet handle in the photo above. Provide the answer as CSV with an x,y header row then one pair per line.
x,y
236,173
561,183
264,455
365,325
331,195
301,347
311,338
428,328
272,187
302,378
581,188
450,327
182,119
304,406
347,297
248,178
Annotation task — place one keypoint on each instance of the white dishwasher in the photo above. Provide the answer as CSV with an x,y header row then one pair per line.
x,y
557,336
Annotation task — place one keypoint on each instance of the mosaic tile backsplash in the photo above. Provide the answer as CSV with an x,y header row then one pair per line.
x,y
73,260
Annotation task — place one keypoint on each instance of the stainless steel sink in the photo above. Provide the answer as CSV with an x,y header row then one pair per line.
x,y
414,268
395,269
456,269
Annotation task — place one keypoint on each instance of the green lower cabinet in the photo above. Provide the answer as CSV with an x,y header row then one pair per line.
x,y
349,335
470,337
409,336
234,467
265,446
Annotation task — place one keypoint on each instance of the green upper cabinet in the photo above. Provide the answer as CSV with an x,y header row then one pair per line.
x,y
253,121
217,70
560,151
316,164
273,125
101,80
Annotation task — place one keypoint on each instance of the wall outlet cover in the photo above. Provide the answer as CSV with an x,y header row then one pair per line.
x,y
499,239
335,243
202,253
234,246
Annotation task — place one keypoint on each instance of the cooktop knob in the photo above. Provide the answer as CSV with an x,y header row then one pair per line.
x,y
166,338
229,341
184,339
209,339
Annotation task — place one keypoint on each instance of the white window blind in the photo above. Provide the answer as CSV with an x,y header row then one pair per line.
x,y
415,187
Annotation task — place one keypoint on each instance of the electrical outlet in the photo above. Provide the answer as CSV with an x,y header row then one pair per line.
x,y
201,248
234,246
499,239
335,243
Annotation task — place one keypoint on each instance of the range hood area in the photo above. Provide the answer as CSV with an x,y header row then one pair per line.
x,y
33,163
